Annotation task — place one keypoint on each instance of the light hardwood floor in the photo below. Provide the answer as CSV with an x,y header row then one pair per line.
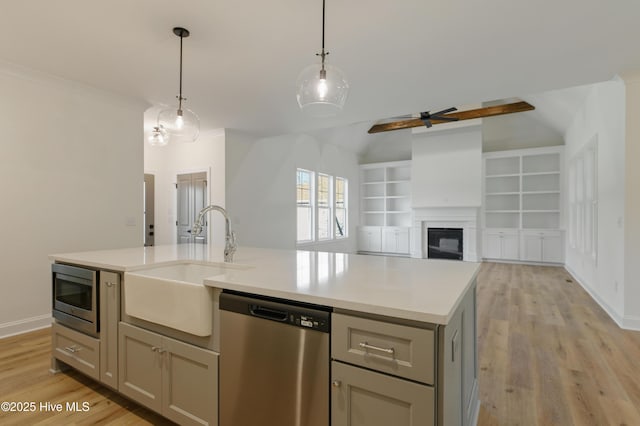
x,y
548,355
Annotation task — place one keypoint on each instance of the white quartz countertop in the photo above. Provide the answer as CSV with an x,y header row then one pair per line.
x,y
415,289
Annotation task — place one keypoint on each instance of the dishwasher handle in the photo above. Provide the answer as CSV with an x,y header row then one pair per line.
x,y
268,313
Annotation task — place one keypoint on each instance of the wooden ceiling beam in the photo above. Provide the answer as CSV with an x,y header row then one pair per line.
x,y
491,111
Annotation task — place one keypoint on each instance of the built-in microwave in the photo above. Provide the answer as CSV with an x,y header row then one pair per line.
x,y
76,298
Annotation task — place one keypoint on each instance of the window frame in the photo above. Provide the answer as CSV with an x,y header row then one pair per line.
x,y
345,207
316,207
310,206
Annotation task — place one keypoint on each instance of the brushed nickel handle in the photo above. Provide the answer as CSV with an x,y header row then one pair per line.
x,y
336,383
109,284
366,345
154,348
160,350
73,349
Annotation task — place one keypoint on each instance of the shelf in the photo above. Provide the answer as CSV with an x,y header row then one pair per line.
x,y
501,176
502,165
385,196
522,189
502,193
538,192
539,174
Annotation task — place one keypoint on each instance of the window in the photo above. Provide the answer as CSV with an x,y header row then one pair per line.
x,y
583,201
341,207
322,206
304,195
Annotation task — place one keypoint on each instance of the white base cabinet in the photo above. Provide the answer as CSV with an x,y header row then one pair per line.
x,y
542,246
370,238
395,240
502,245
383,239
175,379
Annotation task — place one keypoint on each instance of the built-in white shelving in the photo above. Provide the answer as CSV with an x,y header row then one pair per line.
x,y
385,207
522,194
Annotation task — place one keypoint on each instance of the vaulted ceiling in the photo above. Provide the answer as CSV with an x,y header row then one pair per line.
x,y
243,57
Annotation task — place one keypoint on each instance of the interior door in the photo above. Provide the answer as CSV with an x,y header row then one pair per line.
x,y
191,191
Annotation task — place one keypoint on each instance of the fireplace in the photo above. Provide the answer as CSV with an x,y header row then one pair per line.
x,y
460,218
444,243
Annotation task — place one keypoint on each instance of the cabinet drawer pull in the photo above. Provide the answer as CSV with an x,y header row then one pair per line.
x,y
109,284
73,349
336,383
366,345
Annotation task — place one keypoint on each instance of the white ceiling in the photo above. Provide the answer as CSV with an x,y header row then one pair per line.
x,y
243,57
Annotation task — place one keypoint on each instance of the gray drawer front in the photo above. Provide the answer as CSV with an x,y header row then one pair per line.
x,y
77,350
396,349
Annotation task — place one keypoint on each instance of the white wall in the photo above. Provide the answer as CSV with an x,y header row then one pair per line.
x,y
447,168
603,115
261,177
632,203
206,154
71,170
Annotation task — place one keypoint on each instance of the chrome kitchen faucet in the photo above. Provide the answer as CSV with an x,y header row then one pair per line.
x,y
230,236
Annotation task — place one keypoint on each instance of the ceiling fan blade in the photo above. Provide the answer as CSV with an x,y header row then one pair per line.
x,y
491,111
426,122
444,111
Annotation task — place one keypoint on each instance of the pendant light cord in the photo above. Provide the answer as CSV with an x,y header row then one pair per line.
x,y
323,12
180,98
323,54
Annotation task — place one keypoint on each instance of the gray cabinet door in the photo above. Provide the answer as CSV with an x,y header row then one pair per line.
x,y
109,318
140,361
364,398
189,384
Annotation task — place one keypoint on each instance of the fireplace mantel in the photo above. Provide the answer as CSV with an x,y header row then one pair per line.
x,y
445,217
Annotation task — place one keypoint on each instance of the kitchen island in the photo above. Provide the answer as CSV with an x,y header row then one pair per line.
x,y
421,312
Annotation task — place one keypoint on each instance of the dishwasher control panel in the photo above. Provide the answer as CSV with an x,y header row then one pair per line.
x,y
296,314
308,321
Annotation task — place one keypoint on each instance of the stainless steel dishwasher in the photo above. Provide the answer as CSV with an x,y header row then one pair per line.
x,y
274,362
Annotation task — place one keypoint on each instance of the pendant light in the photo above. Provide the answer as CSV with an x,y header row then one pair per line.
x,y
321,88
183,124
158,137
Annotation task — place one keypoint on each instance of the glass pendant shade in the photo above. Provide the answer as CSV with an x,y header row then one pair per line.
x,y
322,92
182,125
158,137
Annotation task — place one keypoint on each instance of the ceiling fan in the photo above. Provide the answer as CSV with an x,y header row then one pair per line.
x,y
450,114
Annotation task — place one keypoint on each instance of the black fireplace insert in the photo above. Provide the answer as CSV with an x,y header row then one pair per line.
x,y
444,243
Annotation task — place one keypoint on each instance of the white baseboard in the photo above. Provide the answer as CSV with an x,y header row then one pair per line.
x,y
631,323
625,322
25,325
